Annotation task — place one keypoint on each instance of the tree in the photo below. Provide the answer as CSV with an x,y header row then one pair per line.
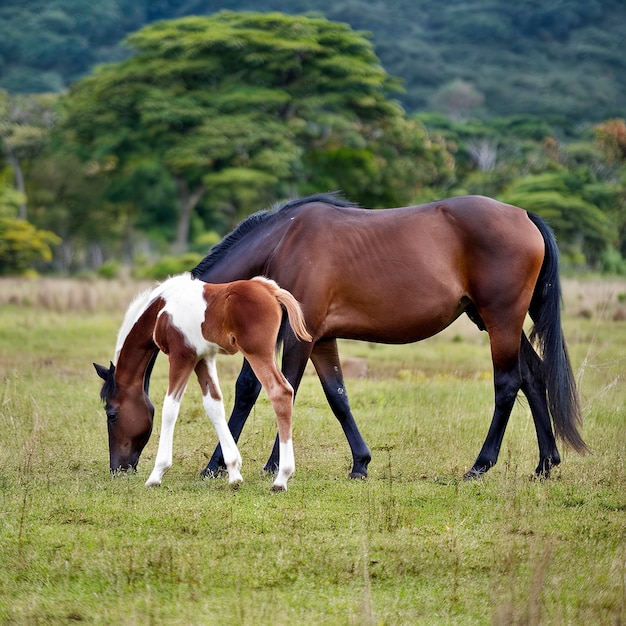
x,y
25,124
458,98
568,200
220,101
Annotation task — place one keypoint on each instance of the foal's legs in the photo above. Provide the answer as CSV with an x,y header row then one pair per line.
x,y
247,389
280,394
534,389
295,356
206,372
169,415
214,406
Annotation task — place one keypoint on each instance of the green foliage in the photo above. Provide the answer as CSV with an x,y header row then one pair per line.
x,y
562,58
224,108
200,121
167,266
612,262
109,270
10,198
564,199
22,245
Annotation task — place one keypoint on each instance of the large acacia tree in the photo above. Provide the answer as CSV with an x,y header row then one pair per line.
x,y
226,106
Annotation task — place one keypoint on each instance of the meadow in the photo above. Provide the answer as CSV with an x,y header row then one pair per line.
x,y
411,544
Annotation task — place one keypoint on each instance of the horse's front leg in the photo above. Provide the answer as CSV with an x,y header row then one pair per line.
x,y
325,357
169,415
212,400
247,389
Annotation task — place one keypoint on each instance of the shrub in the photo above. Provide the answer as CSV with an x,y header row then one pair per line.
x,y
22,245
169,266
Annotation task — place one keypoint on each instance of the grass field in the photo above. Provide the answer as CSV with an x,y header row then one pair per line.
x,y
412,544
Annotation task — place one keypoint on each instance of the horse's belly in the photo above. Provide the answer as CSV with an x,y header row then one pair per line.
x,y
395,322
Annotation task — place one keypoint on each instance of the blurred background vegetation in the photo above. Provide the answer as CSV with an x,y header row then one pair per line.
x,y
139,133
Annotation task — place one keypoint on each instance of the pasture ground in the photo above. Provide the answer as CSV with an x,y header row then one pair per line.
x,y
412,544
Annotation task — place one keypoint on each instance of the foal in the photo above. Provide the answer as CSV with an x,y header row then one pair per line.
x,y
191,321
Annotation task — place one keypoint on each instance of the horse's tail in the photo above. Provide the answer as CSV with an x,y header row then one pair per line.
x,y
294,313
547,336
292,306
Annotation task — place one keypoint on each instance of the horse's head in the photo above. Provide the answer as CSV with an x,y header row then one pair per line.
x,y
129,419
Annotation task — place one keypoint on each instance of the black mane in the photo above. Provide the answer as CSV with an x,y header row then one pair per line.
x,y
261,217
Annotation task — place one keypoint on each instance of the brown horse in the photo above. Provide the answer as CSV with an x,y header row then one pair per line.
x,y
191,321
401,275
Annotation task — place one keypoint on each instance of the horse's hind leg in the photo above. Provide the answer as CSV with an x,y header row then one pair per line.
x,y
206,372
247,389
507,383
295,356
534,389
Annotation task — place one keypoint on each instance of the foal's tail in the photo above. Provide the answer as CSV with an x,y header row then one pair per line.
x,y
292,306
547,335
294,313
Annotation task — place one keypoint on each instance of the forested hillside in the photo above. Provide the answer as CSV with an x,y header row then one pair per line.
x,y
128,129
562,59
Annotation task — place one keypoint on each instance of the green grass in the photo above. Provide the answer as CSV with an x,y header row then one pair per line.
x,y
412,544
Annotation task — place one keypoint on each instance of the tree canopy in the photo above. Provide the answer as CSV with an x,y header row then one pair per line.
x,y
199,121
226,109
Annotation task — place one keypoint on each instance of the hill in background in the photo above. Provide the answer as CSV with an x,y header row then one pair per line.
x,y
561,59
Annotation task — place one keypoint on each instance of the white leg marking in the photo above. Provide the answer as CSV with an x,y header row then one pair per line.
x,y
286,466
215,410
163,462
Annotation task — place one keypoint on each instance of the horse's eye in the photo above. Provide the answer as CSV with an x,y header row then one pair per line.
x,y
111,415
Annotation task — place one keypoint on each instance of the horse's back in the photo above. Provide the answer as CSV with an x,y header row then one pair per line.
x,y
405,273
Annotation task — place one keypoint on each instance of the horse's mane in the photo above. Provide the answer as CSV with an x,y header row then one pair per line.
x,y
135,309
261,217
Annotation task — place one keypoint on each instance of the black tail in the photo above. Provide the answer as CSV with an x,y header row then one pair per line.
x,y
547,336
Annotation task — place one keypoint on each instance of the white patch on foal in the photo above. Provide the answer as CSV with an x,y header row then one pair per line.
x,y
186,306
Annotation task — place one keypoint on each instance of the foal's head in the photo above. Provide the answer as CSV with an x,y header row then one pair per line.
x,y
129,419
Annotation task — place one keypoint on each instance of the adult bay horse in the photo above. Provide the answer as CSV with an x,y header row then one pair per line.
x,y
191,321
402,275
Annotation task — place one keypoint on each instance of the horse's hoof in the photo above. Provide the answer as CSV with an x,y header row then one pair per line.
x,y
277,488
473,474
540,475
211,473
357,475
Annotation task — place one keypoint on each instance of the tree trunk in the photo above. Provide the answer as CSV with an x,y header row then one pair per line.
x,y
19,182
187,201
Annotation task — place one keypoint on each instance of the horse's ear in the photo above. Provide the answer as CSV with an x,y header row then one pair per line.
x,y
103,372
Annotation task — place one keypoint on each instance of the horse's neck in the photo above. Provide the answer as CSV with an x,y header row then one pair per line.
x,y
137,353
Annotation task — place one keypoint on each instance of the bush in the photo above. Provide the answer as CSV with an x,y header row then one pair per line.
x,y
109,270
22,245
612,262
169,266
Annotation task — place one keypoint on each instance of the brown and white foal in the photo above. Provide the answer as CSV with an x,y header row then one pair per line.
x,y
191,321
